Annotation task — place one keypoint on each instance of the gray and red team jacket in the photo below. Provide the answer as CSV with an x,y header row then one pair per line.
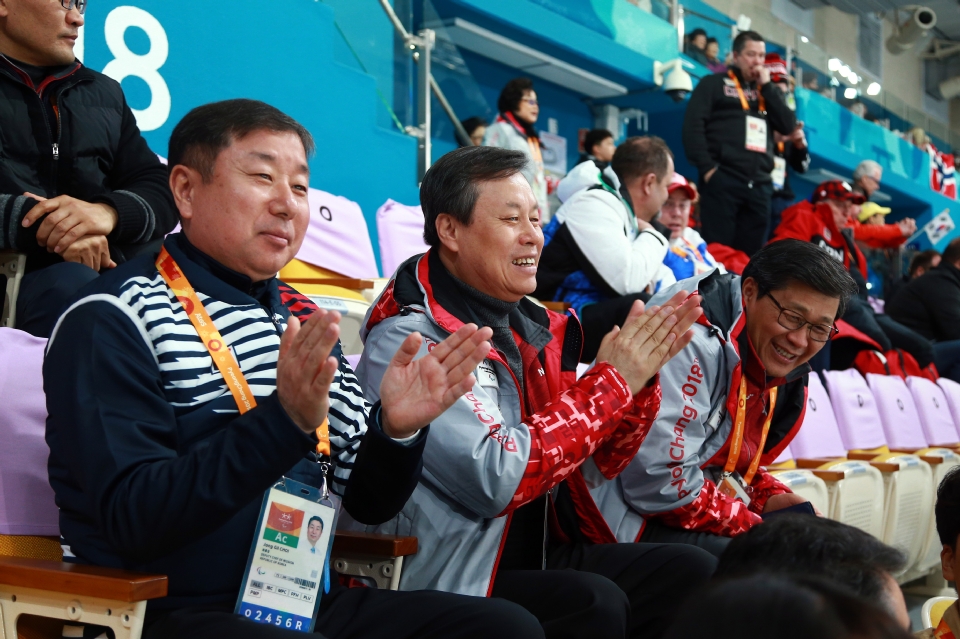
x,y
674,475
500,446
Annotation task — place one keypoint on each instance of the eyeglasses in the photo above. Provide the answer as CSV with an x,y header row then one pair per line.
x,y
531,101
79,5
793,321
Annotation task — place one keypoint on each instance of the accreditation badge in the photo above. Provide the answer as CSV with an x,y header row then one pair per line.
x,y
288,568
731,487
756,134
779,173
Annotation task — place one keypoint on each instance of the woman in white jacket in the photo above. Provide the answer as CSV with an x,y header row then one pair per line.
x,y
514,130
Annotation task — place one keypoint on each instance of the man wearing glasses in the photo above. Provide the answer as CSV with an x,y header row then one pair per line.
x,y
732,401
80,191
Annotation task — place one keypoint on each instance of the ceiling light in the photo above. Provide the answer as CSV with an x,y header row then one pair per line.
x,y
845,71
834,64
804,39
873,89
849,93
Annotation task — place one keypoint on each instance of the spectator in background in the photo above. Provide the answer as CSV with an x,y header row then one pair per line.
x,y
514,130
867,176
87,199
930,305
789,150
947,515
859,108
918,138
696,46
776,607
796,544
602,250
870,227
688,255
728,136
712,53
825,222
919,264
476,128
811,80
598,147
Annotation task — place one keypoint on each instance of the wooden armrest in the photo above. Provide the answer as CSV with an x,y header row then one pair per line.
x,y
829,475
907,451
861,456
886,467
358,543
813,463
933,460
87,581
559,307
342,282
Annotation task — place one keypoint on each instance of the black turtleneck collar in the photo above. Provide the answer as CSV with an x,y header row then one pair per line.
x,y
257,290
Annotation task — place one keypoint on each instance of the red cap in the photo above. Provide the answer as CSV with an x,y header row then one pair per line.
x,y
777,67
837,190
680,182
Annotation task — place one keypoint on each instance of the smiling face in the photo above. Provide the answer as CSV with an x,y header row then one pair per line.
x,y
529,109
252,214
712,50
314,530
780,349
750,59
675,214
498,252
38,32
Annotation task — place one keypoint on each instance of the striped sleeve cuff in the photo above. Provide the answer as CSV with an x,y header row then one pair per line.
x,y
12,210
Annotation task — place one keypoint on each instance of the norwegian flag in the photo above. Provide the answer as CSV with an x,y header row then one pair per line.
x,y
942,173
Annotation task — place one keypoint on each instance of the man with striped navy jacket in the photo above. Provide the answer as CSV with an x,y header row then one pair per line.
x,y
154,469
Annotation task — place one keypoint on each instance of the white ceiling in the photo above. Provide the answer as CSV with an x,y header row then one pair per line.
x,y
948,11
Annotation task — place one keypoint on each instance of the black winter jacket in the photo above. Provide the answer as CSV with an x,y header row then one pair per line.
x,y
930,304
97,155
714,127
798,160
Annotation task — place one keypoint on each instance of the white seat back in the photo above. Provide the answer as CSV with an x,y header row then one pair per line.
x,y
400,230
933,412
951,391
855,410
819,435
337,237
901,424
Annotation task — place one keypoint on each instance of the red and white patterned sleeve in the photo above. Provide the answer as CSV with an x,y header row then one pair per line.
x,y
614,454
711,512
764,487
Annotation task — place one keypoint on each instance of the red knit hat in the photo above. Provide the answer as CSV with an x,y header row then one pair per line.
x,y
777,67
679,182
837,190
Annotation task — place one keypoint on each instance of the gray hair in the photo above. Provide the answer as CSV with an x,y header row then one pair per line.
x,y
867,167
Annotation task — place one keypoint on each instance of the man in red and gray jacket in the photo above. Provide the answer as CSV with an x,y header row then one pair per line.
x,y
503,507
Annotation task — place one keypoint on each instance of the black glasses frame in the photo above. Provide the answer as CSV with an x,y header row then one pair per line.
x,y
79,5
832,330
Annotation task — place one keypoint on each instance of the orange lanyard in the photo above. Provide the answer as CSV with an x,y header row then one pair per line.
x,y
738,427
743,98
690,249
943,630
216,345
535,150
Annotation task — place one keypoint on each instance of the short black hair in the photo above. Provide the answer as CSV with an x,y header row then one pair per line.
x,y
512,93
451,185
803,544
779,263
712,40
743,37
947,510
640,155
207,130
951,254
697,32
313,519
593,138
922,260
472,124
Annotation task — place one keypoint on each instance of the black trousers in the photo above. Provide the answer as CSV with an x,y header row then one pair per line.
x,y
365,613
656,533
609,590
735,212
44,294
599,319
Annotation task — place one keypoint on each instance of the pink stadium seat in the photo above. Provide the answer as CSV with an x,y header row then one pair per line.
x,y
951,390
855,410
400,228
934,412
337,238
819,436
26,499
901,423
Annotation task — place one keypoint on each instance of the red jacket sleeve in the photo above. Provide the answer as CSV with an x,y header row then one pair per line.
x,y
879,235
570,429
712,512
795,225
616,452
764,487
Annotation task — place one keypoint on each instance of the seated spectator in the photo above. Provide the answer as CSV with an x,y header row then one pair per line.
x,y
712,53
81,202
824,222
920,263
779,607
598,147
816,546
688,255
476,128
696,45
811,81
602,250
947,515
930,305
499,509
515,130
867,176
870,227
160,467
698,477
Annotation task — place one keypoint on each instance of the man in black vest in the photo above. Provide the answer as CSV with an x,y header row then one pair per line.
x,y
728,135
80,190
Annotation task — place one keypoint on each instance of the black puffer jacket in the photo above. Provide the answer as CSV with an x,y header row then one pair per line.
x,y
98,155
930,304
715,127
